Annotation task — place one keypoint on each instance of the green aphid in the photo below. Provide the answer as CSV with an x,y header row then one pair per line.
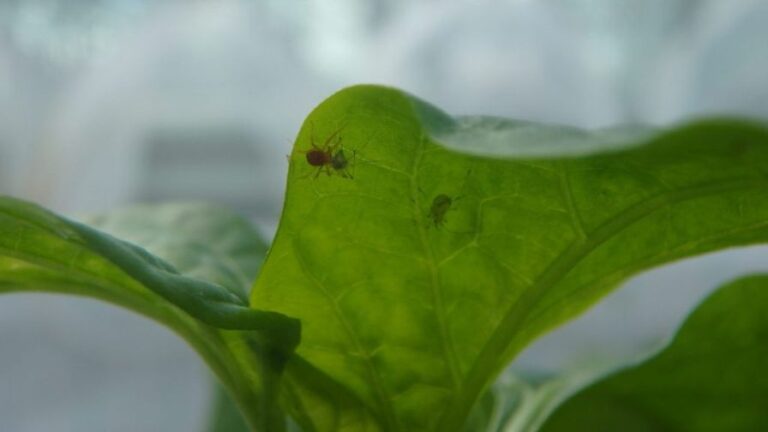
x,y
340,163
440,206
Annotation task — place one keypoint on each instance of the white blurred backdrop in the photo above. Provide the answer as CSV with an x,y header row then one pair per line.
x,y
104,103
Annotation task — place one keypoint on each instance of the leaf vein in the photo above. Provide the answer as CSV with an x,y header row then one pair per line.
x,y
384,399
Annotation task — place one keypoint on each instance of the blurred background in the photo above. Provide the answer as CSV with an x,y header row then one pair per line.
x,y
104,103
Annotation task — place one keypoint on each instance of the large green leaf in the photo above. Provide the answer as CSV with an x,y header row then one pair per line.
x,y
419,271
710,378
40,251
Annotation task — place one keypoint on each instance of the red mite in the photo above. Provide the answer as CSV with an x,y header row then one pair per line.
x,y
330,157
318,157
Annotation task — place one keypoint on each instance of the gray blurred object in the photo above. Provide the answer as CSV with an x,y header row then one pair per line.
x,y
69,364
108,102
215,162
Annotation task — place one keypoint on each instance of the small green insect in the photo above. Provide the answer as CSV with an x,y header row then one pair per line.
x,y
440,206
340,163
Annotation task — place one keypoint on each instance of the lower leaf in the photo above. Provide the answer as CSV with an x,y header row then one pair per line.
x,y
711,377
41,251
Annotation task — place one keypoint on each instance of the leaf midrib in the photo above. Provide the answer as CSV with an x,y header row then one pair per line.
x,y
446,341
493,353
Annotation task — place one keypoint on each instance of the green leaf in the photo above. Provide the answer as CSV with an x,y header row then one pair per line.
x,y
200,240
40,251
711,377
419,272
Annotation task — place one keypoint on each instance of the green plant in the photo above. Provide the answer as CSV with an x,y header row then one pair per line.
x,y
399,286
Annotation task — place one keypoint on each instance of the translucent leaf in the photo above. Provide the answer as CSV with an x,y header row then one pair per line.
x,y
419,271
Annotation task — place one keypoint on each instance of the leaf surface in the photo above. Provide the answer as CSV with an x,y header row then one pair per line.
x,y
420,270
711,377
